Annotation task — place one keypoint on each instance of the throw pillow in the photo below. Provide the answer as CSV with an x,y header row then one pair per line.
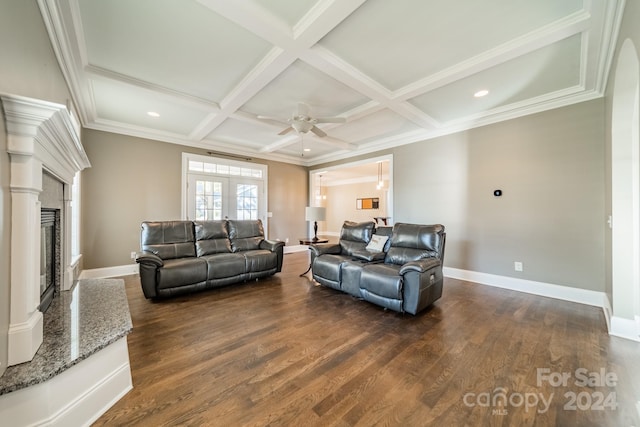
x,y
377,243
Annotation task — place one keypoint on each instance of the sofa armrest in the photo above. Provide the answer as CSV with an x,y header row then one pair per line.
x,y
329,248
276,247
420,266
368,256
149,258
271,245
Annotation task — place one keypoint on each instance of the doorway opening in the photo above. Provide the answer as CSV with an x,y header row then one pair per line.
x,y
625,195
357,191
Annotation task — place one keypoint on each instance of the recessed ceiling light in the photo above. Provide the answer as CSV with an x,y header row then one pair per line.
x,y
481,93
307,149
153,114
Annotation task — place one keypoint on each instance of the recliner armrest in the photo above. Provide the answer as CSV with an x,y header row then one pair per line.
x,y
149,258
420,266
368,256
271,245
329,248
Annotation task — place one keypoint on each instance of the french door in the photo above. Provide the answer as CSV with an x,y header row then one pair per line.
x,y
212,197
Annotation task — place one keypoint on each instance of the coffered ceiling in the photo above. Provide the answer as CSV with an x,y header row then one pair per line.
x,y
397,71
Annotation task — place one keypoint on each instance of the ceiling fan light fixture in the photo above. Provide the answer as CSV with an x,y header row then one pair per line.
x,y
302,126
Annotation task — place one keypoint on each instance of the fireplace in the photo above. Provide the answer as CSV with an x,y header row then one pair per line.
x,y
49,256
45,153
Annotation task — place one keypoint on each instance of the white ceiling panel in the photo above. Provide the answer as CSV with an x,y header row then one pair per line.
x,y
368,128
129,106
302,83
314,147
246,133
397,71
179,45
398,42
546,70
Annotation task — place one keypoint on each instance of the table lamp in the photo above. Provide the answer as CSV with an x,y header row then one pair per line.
x,y
315,214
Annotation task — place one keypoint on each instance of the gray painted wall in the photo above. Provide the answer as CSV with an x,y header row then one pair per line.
x,y
551,214
29,68
133,180
550,167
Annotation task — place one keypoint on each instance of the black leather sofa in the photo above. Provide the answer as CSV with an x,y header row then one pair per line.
x,y
405,276
186,256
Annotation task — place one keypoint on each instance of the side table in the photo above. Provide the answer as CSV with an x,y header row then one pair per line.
x,y
311,241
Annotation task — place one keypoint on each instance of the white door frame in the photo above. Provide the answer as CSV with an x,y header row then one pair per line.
x,y
263,203
625,195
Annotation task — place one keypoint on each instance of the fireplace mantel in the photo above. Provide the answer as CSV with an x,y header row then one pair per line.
x,y
41,136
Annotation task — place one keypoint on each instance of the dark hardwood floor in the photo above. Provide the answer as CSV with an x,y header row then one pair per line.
x,y
285,352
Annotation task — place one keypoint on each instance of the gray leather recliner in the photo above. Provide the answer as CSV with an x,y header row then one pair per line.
x,y
405,277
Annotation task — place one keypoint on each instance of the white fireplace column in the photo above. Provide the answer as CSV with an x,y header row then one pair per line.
x,y
41,135
25,320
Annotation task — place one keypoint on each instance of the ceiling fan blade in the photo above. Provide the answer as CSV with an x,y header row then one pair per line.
x,y
331,120
318,131
273,119
303,109
285,131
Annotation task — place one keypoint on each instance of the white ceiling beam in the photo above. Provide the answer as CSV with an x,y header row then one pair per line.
x,y
317,23
269,68
321,19
330,64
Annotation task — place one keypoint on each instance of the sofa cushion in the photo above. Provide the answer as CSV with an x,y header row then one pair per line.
x,y
326,269
355,236
412,242
212,237
168,239
182,271
245,235
382,279
260,260
224,265
350,277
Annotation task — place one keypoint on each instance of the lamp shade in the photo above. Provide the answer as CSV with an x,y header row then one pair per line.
x,y
314,213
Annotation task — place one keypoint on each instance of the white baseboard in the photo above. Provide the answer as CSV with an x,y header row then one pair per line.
x,y
566,293
103,273
625,328
75,397
295,248
608,312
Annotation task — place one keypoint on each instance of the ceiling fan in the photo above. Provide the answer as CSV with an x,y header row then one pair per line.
x,y
302,122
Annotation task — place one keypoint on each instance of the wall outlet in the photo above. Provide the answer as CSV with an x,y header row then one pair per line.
x,y
517,266
133,255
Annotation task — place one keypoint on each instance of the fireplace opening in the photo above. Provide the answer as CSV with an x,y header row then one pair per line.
x,y
49,256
